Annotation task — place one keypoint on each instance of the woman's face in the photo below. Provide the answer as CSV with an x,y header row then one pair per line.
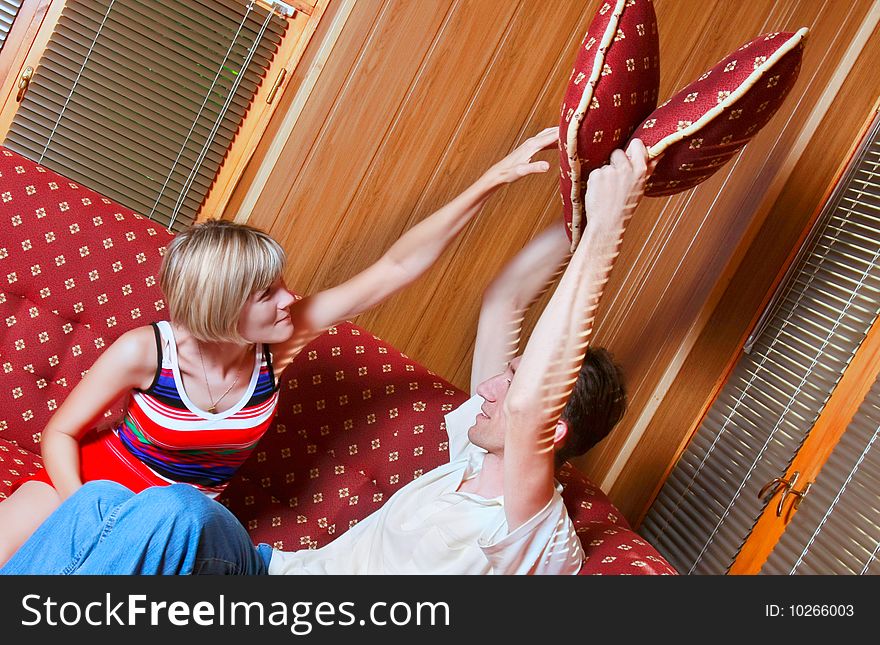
x,y
266,315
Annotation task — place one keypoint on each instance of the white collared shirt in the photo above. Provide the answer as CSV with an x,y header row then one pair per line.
x,y
429,527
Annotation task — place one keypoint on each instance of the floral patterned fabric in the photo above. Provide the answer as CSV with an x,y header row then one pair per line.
x,y
704,125
612,88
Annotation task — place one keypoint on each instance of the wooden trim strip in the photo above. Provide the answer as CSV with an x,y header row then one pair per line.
x,y
292,116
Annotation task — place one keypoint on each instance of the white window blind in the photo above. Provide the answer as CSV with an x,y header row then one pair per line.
x,y
708,505
8,11
141,99
837,526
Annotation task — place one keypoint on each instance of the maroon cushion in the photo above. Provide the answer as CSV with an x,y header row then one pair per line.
x,y
15,463
610,546
612,88
615,550
699,129
76,271
586,504
357,420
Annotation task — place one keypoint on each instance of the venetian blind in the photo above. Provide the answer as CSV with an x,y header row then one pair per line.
x,y
8,11
709,504
837,527
141,99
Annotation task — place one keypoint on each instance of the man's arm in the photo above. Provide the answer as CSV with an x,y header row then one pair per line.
x,y
411,255
521,282
554,354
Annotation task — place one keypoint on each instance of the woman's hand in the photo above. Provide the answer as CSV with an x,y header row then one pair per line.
x,y
519,163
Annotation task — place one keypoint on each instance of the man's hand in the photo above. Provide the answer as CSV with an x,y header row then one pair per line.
x,y
614,190
519,162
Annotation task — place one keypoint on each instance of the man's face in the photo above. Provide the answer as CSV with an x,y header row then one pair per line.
x,y
490,427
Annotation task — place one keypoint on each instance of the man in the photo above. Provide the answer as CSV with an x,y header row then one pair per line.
x,y
494,508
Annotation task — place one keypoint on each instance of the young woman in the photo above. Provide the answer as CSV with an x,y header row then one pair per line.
x,y
204,386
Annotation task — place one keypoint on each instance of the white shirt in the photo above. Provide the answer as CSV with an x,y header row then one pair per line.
x,y
428,527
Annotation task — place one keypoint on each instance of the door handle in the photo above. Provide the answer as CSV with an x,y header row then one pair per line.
x,y
787,488
23,82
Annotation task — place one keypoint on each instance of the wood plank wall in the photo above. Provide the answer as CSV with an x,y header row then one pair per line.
x,y
419,96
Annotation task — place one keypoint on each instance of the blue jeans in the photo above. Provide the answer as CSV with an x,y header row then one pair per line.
x,y
104,528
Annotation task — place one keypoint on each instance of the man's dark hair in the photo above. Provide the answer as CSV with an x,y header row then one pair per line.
x,y
597,403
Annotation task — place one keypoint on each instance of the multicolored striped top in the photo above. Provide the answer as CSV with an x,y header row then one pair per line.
x,y
178,441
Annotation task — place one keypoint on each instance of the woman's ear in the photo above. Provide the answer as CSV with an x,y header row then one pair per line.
x,y
560,434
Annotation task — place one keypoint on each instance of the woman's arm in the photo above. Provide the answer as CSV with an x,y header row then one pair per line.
x,y
519,284
553,356
128,363
411,255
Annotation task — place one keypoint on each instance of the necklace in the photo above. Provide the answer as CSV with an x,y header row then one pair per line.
x,y
214,402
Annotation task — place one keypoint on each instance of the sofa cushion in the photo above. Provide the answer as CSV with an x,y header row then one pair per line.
x,y
15,463
612,88
76,271
615,550
586,504
357,420
700,128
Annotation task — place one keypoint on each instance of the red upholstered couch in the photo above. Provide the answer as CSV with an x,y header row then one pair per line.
x,y
357,419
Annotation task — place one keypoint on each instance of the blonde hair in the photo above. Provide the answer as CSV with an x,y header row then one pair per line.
x,y
210,270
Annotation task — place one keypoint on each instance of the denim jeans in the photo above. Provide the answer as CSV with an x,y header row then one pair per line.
x,y
104,528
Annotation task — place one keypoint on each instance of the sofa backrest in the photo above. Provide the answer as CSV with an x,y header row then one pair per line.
x,y
76,272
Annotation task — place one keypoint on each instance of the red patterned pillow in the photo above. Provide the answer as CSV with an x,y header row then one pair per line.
x,y
612,88
705,124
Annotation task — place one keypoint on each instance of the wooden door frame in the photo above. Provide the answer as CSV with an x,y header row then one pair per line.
x,y
35,19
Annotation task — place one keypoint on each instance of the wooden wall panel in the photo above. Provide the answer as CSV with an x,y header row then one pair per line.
x,y
418,98
515,98
410,175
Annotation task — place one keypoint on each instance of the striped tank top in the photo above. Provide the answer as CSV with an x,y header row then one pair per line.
x,y
178,441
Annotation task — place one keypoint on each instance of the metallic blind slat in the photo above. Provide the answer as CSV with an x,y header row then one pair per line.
x,y
8,12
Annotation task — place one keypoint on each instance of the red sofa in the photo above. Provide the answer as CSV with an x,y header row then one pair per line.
x,y
357,418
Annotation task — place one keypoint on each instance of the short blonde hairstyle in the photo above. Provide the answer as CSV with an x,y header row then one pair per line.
x,y
210,270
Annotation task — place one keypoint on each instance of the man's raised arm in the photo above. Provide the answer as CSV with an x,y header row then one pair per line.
x,y
519,284
553,356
